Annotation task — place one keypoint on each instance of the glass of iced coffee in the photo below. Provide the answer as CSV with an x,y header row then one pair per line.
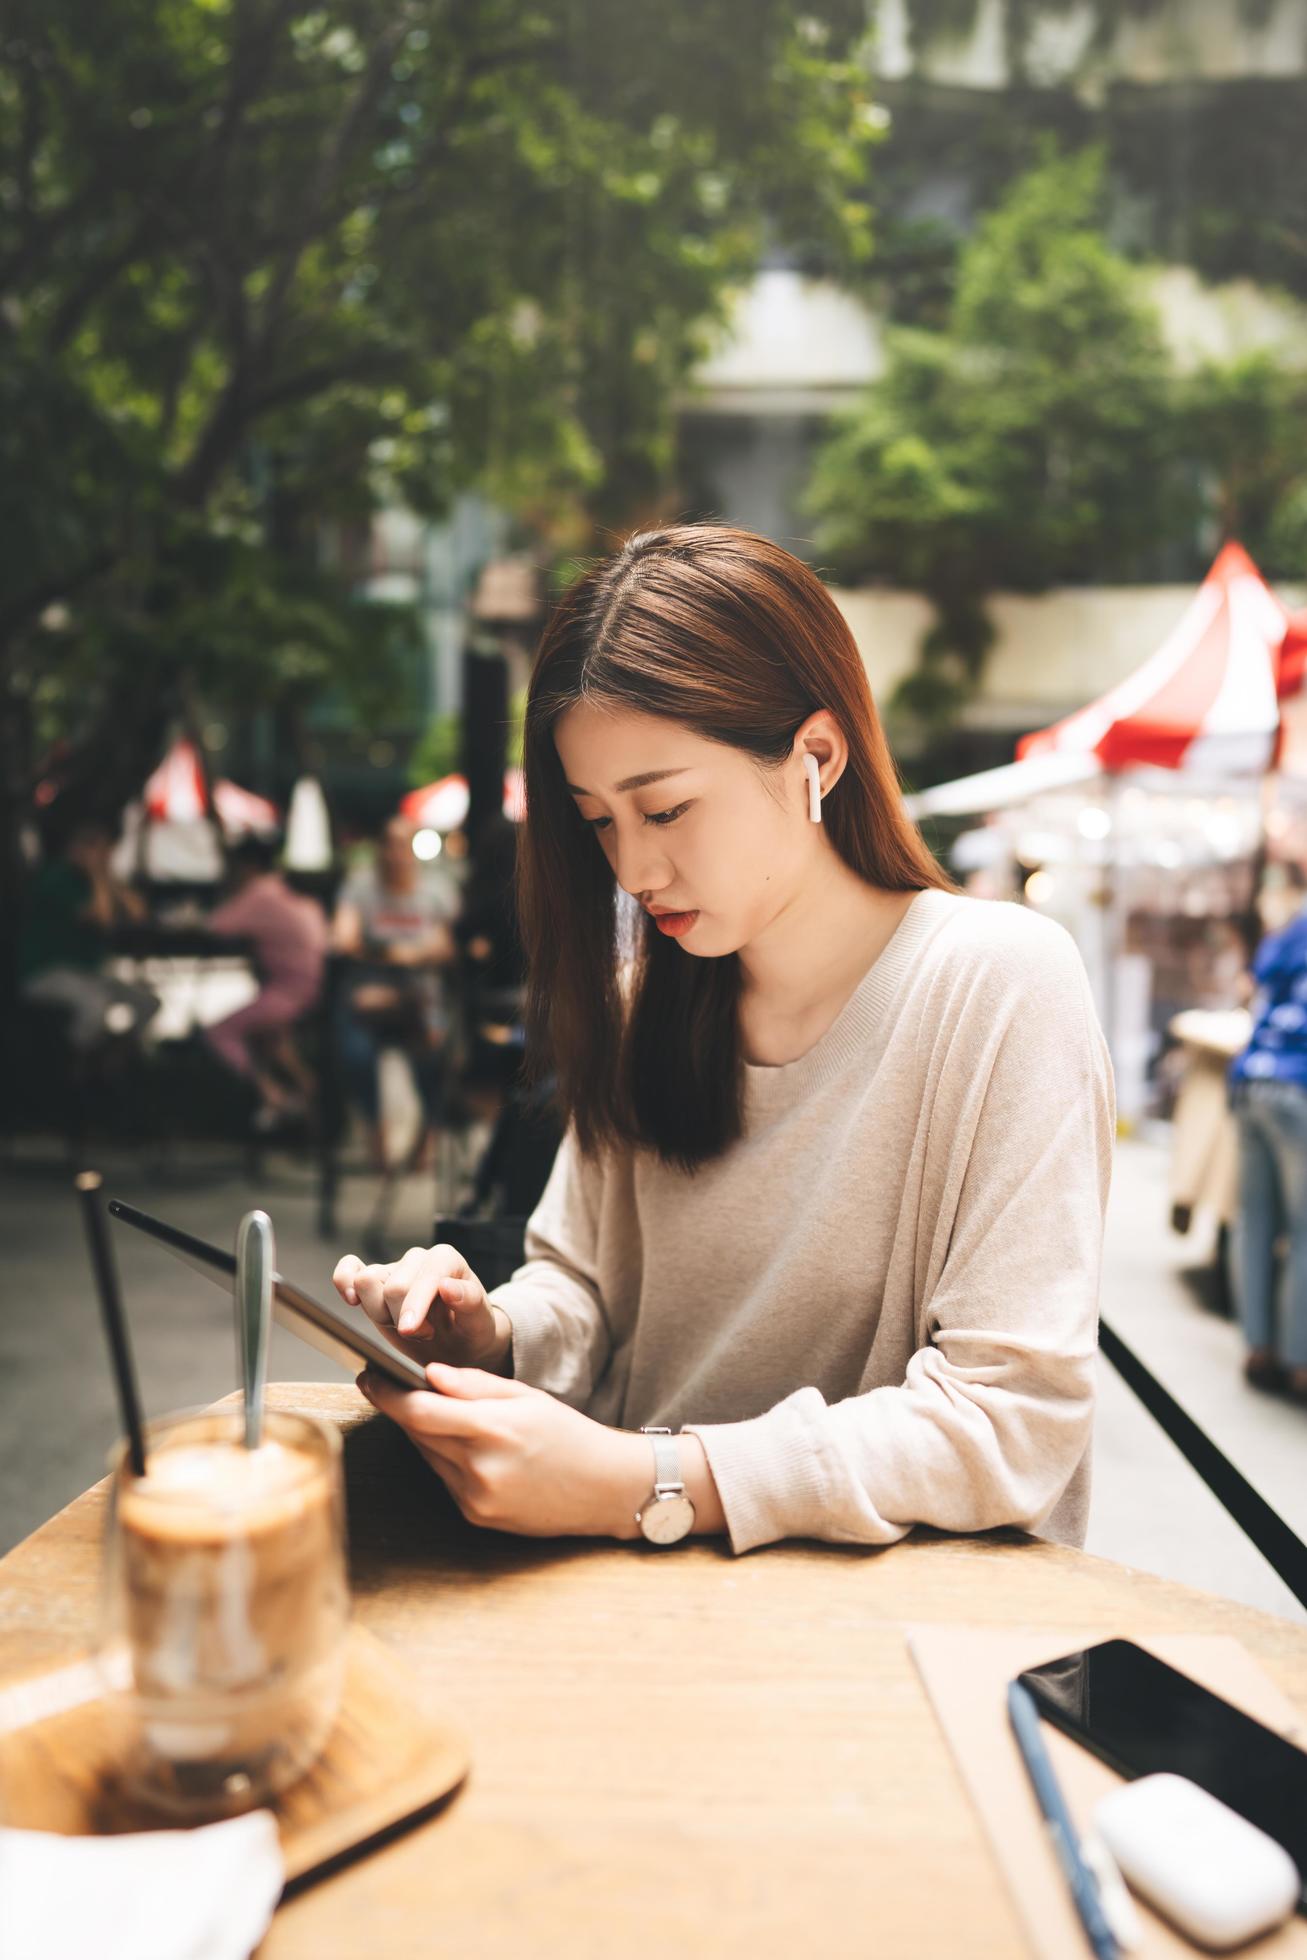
x,y
227,1597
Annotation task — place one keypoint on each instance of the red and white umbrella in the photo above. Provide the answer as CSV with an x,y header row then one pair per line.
x,y
1293,655
1206,701
240,810
443,805
175,794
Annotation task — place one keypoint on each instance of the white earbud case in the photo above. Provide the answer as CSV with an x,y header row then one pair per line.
x,y
1197,1862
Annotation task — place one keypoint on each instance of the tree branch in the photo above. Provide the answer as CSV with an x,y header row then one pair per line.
x,y
369,365
232,412
335,153
75,305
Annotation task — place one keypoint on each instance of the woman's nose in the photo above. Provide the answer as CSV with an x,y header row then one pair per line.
x,y
640,866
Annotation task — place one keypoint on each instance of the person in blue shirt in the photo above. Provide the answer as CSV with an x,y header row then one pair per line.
x,y
1268,1091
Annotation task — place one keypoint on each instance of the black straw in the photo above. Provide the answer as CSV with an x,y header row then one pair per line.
x,y
106,1279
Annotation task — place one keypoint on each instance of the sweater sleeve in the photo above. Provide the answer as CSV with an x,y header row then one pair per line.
x,y
562,1339
996,1408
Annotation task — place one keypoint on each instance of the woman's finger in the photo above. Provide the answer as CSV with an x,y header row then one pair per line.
x,y
421,1413
399,1279
370,1283
443,1265
473,1384
443,1464
343,1278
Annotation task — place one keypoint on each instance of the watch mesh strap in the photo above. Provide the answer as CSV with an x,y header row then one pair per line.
x,y
667,1458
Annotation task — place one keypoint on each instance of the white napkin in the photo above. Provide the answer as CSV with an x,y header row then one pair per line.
x,y
205,1894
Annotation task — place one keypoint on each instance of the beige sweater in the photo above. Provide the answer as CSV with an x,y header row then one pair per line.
x,y
879,1307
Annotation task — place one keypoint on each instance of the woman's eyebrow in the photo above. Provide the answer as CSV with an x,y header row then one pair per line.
x,y
633,782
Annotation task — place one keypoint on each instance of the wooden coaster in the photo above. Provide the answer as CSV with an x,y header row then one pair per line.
x,y
386,1763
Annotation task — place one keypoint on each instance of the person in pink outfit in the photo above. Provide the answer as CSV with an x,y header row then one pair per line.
x,y
289,936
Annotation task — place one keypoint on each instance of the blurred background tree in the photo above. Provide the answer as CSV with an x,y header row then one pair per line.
x,y
262,265
1026,444
1242,429
1044,435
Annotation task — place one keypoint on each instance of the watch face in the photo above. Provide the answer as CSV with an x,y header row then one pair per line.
x,y
667,1519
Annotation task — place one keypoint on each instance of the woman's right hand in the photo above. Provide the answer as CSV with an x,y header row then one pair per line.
x,y
430,1305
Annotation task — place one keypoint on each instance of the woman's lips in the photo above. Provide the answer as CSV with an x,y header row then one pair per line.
x,y
674,924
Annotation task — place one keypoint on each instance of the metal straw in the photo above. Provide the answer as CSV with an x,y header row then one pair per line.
x,y
87,1185
256,1260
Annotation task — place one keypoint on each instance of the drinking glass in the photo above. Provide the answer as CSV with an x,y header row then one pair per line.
x,y
226,1608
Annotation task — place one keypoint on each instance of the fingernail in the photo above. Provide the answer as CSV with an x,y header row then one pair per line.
x,y
351,1296
454,1291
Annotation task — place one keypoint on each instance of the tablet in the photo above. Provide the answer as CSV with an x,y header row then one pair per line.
x,y
354,1344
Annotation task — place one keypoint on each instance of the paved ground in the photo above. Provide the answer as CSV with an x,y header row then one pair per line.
x,y
1149,1509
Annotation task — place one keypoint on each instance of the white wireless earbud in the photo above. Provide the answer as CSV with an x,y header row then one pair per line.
x,y
813,774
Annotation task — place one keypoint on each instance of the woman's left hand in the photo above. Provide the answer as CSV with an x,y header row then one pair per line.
x,y
515,1458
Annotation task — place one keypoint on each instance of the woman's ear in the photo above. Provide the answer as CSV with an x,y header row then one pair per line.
x,y
822,737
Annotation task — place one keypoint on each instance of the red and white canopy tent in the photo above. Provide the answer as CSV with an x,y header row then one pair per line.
x,y
172,832
1293,655
1205,704
443,805
1202,716
175,794
1207,700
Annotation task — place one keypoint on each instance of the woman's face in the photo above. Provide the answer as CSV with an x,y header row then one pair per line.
x,y
710,842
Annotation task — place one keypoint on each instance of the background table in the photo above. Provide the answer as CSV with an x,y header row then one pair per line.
x,y
723,1756
200,977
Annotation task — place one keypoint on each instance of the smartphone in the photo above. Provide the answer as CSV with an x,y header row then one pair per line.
x,y
1141,1716
354,1344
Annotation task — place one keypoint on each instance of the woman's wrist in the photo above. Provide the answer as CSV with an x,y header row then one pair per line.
x,y
633,1480
701,1487
500,1359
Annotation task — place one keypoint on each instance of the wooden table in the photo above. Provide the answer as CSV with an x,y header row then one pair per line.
x,y
677,1749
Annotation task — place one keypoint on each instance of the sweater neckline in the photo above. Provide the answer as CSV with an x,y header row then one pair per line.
x,y
775,1086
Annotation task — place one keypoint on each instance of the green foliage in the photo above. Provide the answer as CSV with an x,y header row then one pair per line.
x,y
264,262
516,736
1044,437
1242,430
1027,444
438,752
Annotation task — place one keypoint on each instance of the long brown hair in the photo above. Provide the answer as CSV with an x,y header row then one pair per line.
x,y
738,641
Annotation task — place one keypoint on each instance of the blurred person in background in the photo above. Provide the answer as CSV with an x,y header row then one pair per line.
x,y
1268,1091
394,921
289,937
73,904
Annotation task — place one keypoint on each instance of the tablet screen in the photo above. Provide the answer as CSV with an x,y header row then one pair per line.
x,y
354,1344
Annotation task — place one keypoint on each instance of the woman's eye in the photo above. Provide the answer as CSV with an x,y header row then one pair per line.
x,y
659,817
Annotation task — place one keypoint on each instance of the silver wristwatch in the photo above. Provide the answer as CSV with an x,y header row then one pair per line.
x,y
667,1514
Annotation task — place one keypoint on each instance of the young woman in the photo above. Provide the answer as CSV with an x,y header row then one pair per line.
x,y
830,1202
